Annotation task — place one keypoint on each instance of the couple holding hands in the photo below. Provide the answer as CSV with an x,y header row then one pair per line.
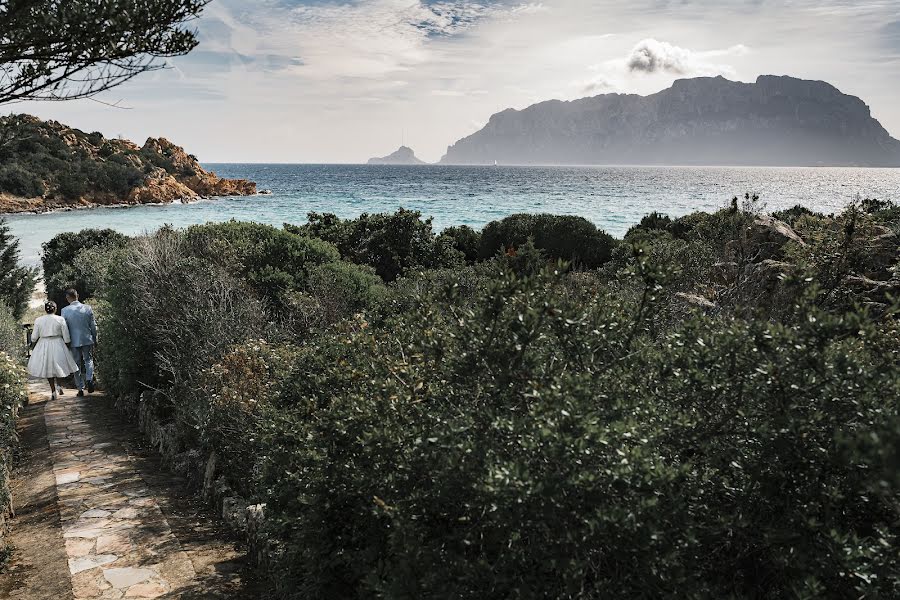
x,y
63,344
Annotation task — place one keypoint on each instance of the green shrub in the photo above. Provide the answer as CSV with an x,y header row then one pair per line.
x,y
652,222
18,181
12,336
273,262
392,243
465,240
16,281
343,289
561,237
532,446
169,315
236,408
12,396
63,269
792,215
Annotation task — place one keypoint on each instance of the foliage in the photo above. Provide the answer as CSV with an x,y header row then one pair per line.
x,y
273,262
15,179
394,244
695,418
12,336
653,222
344,289
792,215
12,396
464,239
53,52
170,315
237,406
529,445
16,281
561,237
70,261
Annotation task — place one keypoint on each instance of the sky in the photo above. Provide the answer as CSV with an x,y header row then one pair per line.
x,y
340,81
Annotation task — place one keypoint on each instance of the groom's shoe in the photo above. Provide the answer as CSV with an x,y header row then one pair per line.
x,y
80,393
90,385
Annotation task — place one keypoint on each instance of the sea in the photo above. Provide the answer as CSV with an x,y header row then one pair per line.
x,y
614,198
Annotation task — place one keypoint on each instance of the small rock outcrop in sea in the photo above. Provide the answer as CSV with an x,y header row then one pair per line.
x,y
403,156
777,121
45,165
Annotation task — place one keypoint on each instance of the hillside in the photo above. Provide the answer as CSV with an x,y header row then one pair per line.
x,y
778,121
46,165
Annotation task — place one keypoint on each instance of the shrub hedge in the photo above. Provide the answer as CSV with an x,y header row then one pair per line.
x,y
68,262
393,244
561,237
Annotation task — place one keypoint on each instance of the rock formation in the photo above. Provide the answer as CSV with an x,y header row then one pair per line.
x,y
403,156
46,165
703,121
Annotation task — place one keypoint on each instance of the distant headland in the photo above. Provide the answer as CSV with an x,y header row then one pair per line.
x,y
402,156
45,165
776,121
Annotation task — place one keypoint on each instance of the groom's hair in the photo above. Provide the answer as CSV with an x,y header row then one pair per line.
x,y
72,293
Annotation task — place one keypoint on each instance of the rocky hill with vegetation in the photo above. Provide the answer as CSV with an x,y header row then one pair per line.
x,y
777,121
46,165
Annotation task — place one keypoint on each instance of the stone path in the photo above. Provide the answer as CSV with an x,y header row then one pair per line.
x,y
117,540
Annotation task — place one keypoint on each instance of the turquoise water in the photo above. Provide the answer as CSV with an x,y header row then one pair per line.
x,y
614,198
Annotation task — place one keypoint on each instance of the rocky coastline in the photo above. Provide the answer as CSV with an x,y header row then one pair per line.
x,y
90,171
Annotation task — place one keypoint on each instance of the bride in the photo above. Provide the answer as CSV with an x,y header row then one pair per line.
x,y
51,358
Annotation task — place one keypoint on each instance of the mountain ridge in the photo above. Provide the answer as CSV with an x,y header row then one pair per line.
x,y
775,121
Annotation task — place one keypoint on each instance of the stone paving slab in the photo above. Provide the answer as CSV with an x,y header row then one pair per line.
x,y
118,542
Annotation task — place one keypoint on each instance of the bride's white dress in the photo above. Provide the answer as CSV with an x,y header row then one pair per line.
x,y
51,357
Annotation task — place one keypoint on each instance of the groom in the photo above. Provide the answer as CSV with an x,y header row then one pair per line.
x,y
83,332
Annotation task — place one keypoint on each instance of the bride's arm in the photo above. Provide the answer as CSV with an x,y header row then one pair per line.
x,y
65,332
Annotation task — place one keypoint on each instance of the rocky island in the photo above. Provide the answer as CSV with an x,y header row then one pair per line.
x,y
46,165
403,156
776,121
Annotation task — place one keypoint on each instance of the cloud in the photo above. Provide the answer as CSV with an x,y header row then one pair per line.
x,y
597,86
652,56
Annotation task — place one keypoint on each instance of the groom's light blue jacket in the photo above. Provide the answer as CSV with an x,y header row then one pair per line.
x,y
82,325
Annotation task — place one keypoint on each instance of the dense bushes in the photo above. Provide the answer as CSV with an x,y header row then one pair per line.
x,y
12,396
465,240
16,281
16,285
391,243
273,262
534,445
70,261
561,237
168,315
712,413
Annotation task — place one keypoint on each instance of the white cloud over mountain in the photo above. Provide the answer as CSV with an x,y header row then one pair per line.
x,y
653,56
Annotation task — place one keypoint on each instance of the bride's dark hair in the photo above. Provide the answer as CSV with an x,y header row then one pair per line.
x,y
50,307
